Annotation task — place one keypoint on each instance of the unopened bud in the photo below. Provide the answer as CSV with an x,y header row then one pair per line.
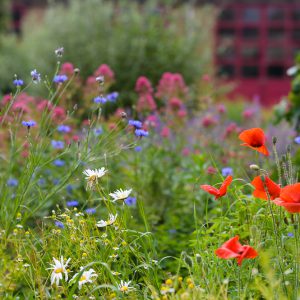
x,y
254,167
123,115
274,140
100,79
288,148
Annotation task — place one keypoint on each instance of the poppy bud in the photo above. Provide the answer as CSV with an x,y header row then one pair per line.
x,y
288,148
254,167
274,140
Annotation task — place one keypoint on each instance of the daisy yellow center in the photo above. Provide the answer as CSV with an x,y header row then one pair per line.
x,y
124,288
59,270
93,178
82,278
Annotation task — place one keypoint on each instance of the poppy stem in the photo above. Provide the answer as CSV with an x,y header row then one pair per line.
x,y
276,234
296,230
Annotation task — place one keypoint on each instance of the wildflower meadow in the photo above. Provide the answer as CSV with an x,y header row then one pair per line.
x,y
166,191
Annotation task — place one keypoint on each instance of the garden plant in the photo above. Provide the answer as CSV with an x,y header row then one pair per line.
x,y
159,200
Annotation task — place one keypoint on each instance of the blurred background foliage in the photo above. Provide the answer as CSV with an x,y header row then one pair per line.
x,y
133,39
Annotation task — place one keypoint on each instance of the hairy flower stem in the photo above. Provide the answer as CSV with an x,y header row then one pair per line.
x,y
276,233
296,231
277,163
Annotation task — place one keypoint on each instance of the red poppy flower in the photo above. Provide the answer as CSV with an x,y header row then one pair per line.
x,y
255,139
218,192
234,249
261,188
290,198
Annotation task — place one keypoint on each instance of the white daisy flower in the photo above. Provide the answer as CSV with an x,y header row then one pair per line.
x,y
86,277
93,175
125,287
59,268
112,219
120,194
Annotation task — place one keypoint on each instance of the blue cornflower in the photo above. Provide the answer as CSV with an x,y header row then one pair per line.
x,y
60,78
141,132
59,224
41,182
18,82
90,211
136,123
12,182
290,234
112,97
100,99
63,128
297,140
36,77
59,163
227,171
57,144
69,188
55,181
130,201
29,124
72,203
138,149
98,131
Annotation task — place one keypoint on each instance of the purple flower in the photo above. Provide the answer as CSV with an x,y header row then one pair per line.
x,y
29,124
69,188
60,78
136,123
59,224
141,132
57,144
41,182
72,203
130,201
59,163
297,140
227,171
18,82
90,211
290,234
98,131
36,77
100,99
64,128
55,181
112,97
12,182
138,149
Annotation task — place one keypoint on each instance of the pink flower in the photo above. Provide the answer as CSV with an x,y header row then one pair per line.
x,y
165,132
67,68
6,98
171,85
152,121
221,108
59,114
44,104
185,151
206,77
105,71
182,113
211,170
143,86
146,102
248,113
208,120
175,103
